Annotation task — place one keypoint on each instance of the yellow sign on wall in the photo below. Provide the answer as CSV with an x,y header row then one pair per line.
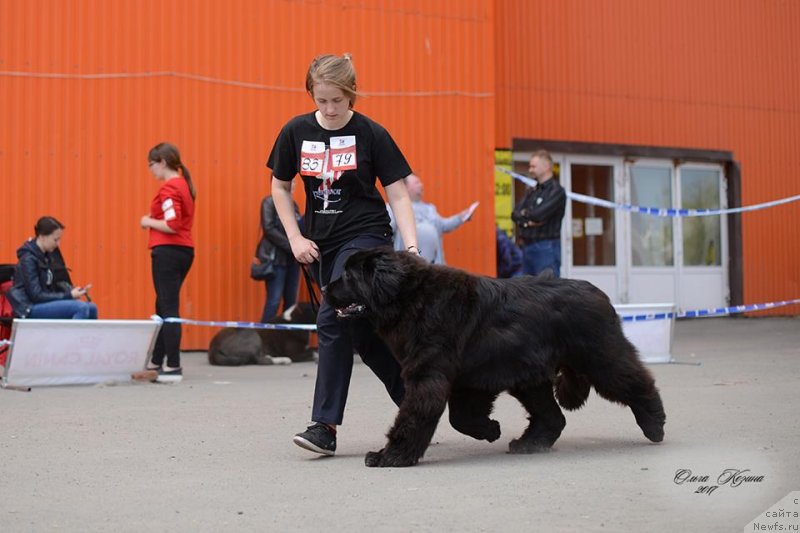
x,y
503,191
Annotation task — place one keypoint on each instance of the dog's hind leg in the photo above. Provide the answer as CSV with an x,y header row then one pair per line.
x,y
546,419
469,413
627,381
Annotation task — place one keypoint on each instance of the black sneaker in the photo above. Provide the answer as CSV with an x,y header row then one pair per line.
x,y
169,376
317,438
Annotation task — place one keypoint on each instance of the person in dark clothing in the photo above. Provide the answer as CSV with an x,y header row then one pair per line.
x,y
286,279
339,154
538,217
509,256
171,246
42,288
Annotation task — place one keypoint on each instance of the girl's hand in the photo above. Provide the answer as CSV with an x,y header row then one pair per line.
x,y
145,221
304,250
79,292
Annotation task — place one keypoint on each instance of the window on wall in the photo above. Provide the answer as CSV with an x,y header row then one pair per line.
x,y
651,237
592,226
701,235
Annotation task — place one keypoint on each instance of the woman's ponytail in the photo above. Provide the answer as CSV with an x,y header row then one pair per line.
x,y
172,158
188,177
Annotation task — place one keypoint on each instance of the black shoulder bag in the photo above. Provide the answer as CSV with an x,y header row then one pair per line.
x,y
263,266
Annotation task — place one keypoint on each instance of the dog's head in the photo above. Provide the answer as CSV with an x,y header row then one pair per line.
x,y
372,281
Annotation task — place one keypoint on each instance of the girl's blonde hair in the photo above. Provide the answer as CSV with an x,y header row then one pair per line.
x,y
333,70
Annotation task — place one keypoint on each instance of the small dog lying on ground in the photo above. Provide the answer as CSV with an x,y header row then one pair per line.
x,y
463,339
244,346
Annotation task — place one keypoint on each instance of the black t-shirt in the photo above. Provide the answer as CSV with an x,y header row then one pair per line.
x,y
339,168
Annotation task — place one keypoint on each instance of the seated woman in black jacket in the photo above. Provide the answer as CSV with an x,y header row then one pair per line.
x,y
37,291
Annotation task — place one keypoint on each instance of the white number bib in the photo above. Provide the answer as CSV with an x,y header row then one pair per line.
x,y
343,153
312,157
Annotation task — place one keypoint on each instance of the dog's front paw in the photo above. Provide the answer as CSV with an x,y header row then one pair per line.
x,y
373,458
383,460
529,446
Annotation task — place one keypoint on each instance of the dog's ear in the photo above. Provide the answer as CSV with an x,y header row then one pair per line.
x,y
358,260
376,275
387,276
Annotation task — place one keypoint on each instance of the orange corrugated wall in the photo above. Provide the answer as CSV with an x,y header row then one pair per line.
x,y
88,86
708,74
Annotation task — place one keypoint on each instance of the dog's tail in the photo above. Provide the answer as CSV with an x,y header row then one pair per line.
x,y
571,390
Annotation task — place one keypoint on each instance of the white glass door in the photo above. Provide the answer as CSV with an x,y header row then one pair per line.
x,y
593,240
703,245
652,274
681,260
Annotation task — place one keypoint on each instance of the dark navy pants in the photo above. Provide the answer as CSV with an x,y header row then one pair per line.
x,y
339,338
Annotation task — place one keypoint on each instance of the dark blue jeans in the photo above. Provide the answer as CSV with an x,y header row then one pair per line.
x,y
75,309
284,284
542,255
339,338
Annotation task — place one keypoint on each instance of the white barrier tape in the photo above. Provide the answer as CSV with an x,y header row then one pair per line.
x,y
709,312
232,324
655,211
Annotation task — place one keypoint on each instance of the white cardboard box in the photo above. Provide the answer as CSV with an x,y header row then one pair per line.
x,y
72,352
653,338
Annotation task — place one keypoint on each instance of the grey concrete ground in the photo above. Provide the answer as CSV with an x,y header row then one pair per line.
x,y
214,453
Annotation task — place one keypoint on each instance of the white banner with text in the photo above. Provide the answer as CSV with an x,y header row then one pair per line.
x,y
73,352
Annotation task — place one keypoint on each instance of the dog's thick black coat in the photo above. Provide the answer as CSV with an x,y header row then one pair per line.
x,y
462,339
242,346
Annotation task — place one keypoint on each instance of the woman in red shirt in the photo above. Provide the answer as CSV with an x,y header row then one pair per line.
x,y
171,252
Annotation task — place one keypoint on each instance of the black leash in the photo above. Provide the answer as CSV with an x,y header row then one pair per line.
x,y
310,286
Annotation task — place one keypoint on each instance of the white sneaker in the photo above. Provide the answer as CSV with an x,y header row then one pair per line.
x,y
169,376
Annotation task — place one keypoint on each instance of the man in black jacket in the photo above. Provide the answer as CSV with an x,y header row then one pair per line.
x,y
538,217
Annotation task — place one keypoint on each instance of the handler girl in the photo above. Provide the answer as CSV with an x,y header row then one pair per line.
x,y
339,153
171,252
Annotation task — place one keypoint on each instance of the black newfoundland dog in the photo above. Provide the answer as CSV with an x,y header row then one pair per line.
x,y
462,339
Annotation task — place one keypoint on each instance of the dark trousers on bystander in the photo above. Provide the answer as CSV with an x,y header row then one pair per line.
x,y
170,265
